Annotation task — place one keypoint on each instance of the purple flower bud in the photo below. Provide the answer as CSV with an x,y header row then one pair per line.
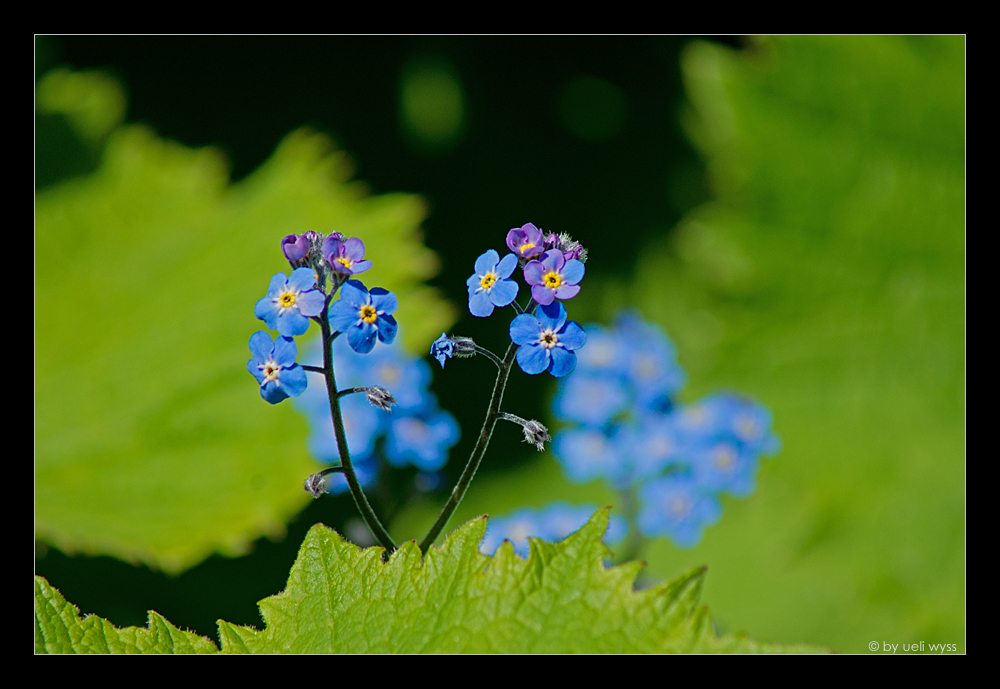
x,y
295,247
526,241
551,241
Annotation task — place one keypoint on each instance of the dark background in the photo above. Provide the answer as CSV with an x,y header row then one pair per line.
x,y
518,160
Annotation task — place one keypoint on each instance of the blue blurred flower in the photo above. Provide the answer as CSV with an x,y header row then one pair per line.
x,y
590,399
676,506
552,523
422,442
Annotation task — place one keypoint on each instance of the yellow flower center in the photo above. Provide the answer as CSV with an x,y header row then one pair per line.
x,y
287,300
526,247
368,313
488,280
552,280
346,262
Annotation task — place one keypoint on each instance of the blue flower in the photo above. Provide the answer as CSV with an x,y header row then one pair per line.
x,y
291,302
590,399
363,315
547,340
422,442
587,454
676,506
725,466
552,523
442,349
273,365
490,285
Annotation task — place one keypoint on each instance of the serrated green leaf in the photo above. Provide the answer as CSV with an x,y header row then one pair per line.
x,y
152,442
562,599
59,628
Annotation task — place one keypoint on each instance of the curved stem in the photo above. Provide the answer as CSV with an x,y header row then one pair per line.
x,y
367,513
492,414
488,354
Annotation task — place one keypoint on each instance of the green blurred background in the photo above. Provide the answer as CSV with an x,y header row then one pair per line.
x,y
790,210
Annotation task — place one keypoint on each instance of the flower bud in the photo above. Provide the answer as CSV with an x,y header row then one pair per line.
x,y
295,247
536,434
380,398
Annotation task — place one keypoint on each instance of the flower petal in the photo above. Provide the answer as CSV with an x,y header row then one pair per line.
x,y
343,316
261,346
533,272
355,293
524,329
573,271
487,262
387,327
361,339
291,323
354,249
503,292
480,304
542,294
566,291
302,279
507,265
573,336
285,351
292,381
384,301
563,362
533,359
311,302
551,316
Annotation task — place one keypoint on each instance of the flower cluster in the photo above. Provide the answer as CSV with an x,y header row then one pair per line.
x,y
292,301
552,523
552,266
629,430
415,432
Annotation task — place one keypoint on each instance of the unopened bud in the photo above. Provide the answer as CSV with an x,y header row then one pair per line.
x,y
295,247
380,397
536,434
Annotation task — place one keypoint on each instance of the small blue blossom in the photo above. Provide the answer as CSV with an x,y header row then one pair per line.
x,y
422,442
363,315
273,365
552,523
725,466
553,277
676,506
491,286
442,349
291,302
589,399
547,340
587,454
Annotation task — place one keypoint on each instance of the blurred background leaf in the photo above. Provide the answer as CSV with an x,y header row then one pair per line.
x,y
152,443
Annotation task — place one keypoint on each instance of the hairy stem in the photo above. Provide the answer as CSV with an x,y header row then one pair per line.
x,y
367,513
492,414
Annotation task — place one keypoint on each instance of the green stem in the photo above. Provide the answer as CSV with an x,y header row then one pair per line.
x,y
492,414
367,513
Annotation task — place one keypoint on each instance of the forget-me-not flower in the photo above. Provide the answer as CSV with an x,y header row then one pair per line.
x,y
491,286
290,302
363,315
345,256
273,365
547,340
553,277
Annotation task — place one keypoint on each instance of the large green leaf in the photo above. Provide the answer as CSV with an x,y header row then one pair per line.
x,y
60,629
152,442
562,599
